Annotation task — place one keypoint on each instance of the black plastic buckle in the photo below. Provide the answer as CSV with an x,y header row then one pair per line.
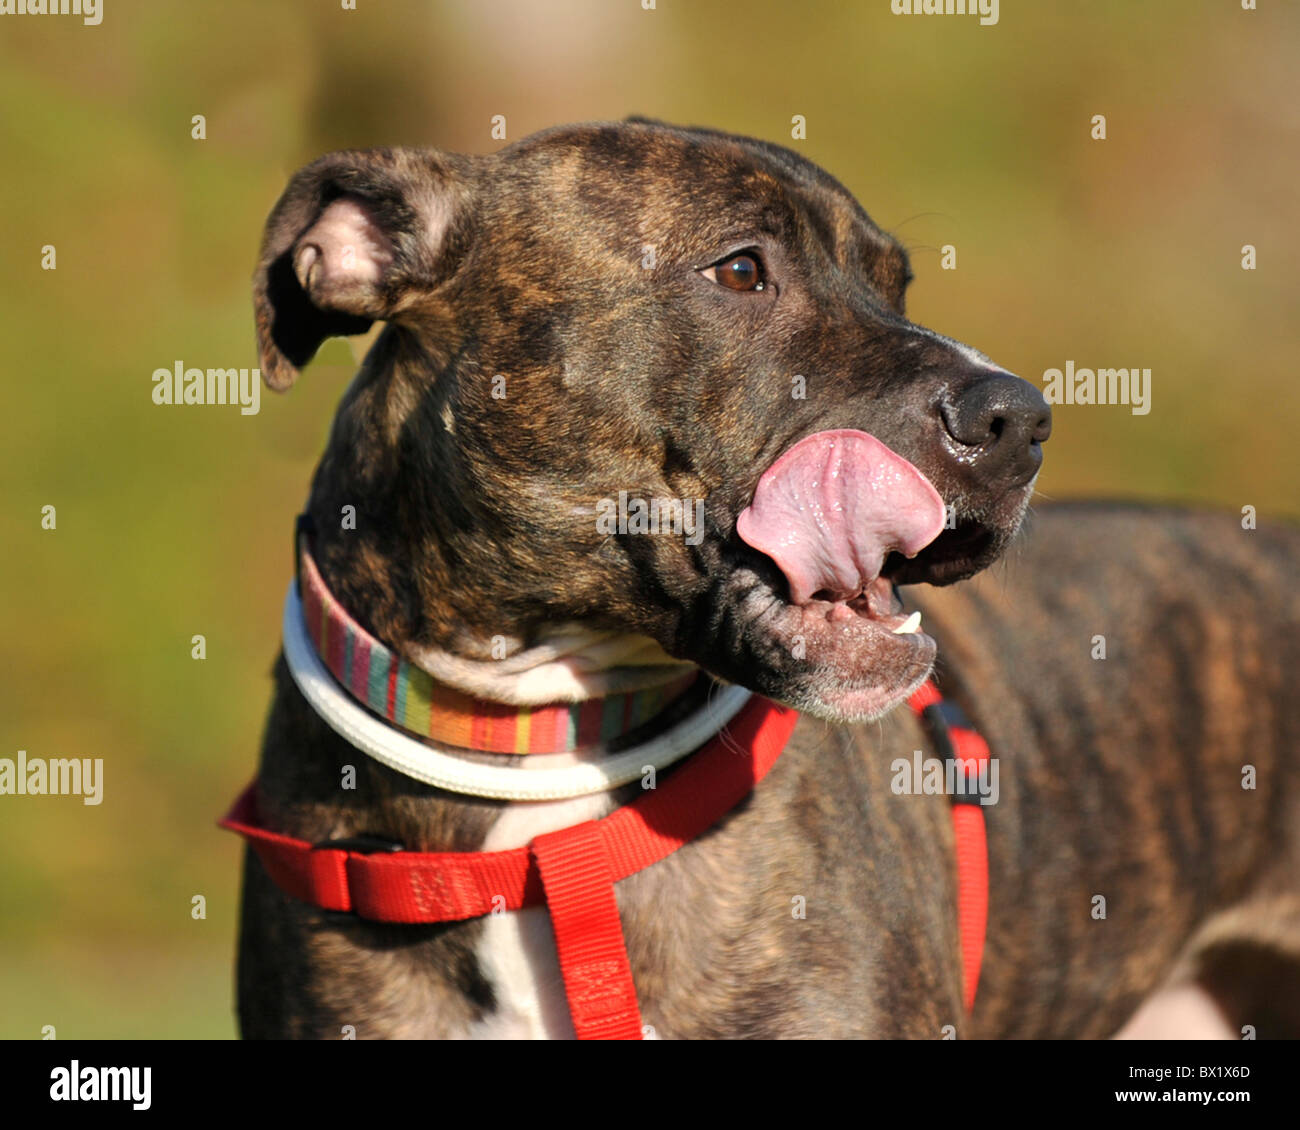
x,y
936,722
940,717
362,845
968,789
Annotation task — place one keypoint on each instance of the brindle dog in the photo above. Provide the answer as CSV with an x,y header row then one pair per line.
x,y
650,297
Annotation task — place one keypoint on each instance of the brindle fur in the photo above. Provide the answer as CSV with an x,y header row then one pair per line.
x,y
1119,777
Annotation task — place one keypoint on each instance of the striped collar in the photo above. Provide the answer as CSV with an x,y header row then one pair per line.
x,y
409,697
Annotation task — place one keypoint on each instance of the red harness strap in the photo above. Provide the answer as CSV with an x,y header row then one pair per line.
x,y
573,871
955,739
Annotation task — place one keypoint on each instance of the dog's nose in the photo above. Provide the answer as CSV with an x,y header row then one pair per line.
x,y
999,423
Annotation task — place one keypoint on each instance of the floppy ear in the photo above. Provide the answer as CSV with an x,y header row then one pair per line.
x,y
357,236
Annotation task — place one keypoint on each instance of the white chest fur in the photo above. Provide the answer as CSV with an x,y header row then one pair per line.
x,y
517,951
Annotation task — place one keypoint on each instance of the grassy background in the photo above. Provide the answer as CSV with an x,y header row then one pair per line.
x,y
173,522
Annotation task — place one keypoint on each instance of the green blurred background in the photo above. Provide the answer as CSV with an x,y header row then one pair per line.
x,y
173,522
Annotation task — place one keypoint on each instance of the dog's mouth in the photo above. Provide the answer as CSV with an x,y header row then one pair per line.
x,y
844,520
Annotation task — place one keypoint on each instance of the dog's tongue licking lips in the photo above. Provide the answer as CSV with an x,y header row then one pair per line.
x,y
830,509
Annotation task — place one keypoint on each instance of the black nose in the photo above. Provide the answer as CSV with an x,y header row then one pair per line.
x,y
998,424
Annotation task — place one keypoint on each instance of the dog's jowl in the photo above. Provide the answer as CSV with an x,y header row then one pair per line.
x,y
621,593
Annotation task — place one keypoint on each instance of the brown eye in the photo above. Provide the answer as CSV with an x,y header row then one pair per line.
x,y
740,272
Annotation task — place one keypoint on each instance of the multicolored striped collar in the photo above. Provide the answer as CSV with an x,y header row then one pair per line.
x,y
407,696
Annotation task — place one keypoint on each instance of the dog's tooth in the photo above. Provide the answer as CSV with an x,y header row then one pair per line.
x,y
911,624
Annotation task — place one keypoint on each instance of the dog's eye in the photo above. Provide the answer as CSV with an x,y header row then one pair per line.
x,y
740,272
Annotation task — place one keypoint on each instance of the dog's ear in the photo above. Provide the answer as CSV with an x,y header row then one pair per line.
x,y
357,236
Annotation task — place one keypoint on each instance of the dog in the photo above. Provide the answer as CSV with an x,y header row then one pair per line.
x,y
636,311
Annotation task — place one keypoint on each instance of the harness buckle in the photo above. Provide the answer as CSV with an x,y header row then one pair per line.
x,y
362,845
942,718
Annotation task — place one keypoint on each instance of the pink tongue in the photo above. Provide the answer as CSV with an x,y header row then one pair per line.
x,y
830,508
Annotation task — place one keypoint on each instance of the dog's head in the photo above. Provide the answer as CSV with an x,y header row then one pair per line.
x,y
605,330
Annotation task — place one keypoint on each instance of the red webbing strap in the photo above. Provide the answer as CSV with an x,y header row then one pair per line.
x,y
404,887
588,934
971,849
579,865
572,871
972,892
970,846
416,887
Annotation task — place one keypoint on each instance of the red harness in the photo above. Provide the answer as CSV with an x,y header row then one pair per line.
x,y
573,871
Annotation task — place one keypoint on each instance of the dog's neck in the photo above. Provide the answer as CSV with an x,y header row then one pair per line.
x,y
387,707
575,690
